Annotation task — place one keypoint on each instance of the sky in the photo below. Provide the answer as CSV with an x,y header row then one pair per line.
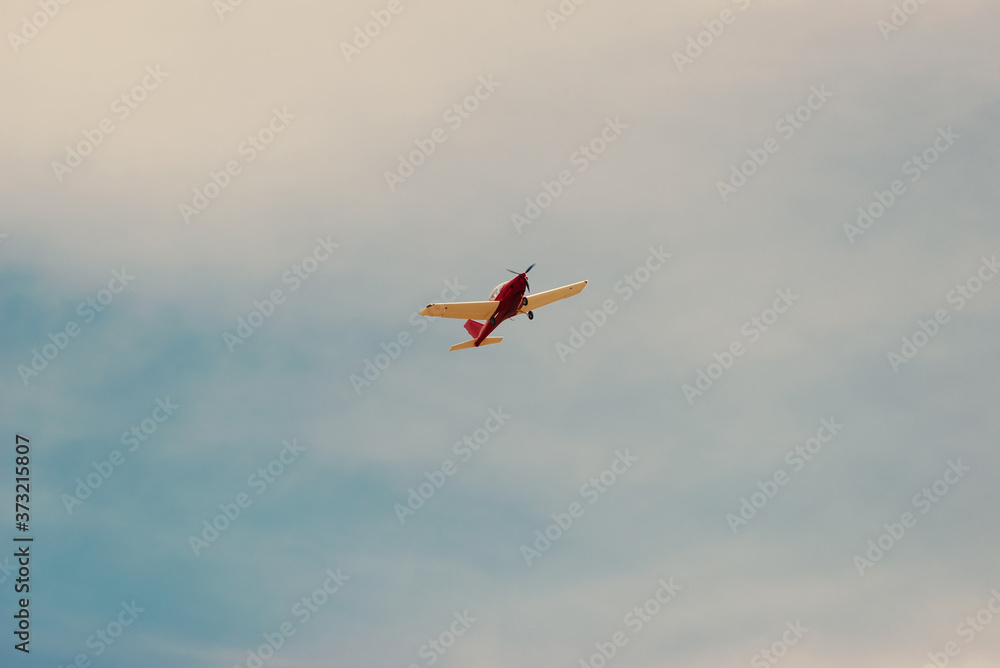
x,y
764,434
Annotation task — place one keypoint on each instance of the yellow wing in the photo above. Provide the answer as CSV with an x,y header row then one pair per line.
x,y
541,299
462,310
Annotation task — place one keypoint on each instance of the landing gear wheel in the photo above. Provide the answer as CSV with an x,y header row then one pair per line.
x,y
524,301
493,320
531,315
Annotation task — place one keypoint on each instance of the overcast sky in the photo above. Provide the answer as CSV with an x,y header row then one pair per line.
x,y
219,222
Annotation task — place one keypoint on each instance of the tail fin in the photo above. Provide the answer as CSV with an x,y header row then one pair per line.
x,y
472,343
473,328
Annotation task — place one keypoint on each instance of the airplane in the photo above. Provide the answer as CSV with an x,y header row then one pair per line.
x,y
506,301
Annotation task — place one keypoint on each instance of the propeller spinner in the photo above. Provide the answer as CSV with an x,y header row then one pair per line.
x,y
526,284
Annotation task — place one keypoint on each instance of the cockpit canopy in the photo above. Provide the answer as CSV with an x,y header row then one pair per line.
x,y
496,291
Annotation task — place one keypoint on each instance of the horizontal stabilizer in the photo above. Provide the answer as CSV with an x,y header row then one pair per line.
x,y
472,343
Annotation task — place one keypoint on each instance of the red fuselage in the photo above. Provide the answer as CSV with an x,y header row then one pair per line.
x,y
510,297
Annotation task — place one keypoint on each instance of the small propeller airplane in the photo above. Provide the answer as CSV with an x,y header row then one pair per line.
x,y
506,301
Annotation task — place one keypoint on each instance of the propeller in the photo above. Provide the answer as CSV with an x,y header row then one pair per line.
x,y
526,277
